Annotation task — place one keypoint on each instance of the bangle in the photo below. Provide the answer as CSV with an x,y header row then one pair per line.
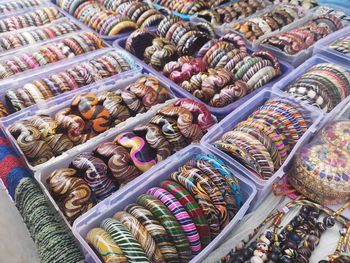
x,y
121,27
169,222
156,230
141,234
105,245
180,215
192,208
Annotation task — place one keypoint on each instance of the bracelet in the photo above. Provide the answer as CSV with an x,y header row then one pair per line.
x,y
50,53
262,142
324,85
156,230
71,78
138,231
29,19
293,41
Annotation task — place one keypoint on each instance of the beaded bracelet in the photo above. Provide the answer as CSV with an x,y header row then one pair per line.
x,y
72,78
169,216
43,223
278,125
294,241
30,19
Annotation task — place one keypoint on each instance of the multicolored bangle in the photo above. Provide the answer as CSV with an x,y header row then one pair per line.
x,y
262,142
293,41
112,18
72,78
30,19
324,86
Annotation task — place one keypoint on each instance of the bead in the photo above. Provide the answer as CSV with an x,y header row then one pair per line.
x,y
260,254
276,250
264,239
290,244
304,251
263,247
247,254
329,221
256,259
285,259
290,252
294,237
273,257
343,231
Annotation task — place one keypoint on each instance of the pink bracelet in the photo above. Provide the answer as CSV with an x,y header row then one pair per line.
x,y
30,61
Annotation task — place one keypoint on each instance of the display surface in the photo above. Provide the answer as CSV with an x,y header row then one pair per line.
x,y
149,129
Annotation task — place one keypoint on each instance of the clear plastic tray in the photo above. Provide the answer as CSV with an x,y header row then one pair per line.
x,y
316,59
14,12
218,112
227,27
27,77
35,48
114,83
296,59
150,179
27,10
65,159
109,39
242,113
29,29
183,16
322,46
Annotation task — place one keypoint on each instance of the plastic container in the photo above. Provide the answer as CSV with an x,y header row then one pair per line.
x,y
65,159
41,3
220,113
29,76
181,15
114,83
296,59
150,179
27,10
227,27
36,47
29,29
109,39
48,4
322,46
299,71
242,113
